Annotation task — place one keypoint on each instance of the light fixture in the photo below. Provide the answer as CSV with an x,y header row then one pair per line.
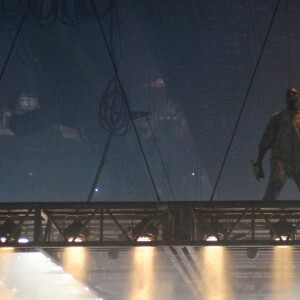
x,y
23,240
9,231
215,232
77,232
145,231
283,231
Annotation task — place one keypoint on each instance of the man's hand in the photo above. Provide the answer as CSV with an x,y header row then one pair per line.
x,y
257,170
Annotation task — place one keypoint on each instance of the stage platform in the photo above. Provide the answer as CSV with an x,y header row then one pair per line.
x,y
110,244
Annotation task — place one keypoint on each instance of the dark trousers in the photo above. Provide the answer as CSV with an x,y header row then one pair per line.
x,y
277,179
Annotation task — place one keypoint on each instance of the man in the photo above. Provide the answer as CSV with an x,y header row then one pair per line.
x,y
282,135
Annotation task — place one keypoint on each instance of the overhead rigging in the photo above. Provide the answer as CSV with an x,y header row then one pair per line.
x,y
118,85
245,100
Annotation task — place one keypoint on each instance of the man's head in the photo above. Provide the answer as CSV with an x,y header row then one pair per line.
x,y
292,98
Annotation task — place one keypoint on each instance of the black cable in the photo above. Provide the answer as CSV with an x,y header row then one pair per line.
x,y
14,41
245,100
288,41
149,98
112,111
161,160
112,114
125,99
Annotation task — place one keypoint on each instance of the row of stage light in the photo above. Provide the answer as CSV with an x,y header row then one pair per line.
x,y
279,231
146,231
76,232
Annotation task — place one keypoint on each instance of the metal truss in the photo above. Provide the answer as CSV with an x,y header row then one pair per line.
x,y
177,223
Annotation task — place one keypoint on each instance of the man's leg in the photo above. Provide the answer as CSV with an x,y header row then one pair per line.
x,y
277,179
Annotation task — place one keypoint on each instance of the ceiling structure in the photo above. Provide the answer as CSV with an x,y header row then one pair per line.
x,y
133,105
251,256
188,67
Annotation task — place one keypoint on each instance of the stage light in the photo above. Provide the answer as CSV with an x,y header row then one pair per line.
x,y
283,231
9,231
215,232
252,253
145,231
76,232
23,240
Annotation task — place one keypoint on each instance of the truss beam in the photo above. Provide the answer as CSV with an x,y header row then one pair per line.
x,y
178,223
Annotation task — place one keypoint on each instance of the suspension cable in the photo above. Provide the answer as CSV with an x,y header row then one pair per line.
x,y
245,100
161,159
126,101
14,41
149,101
288,41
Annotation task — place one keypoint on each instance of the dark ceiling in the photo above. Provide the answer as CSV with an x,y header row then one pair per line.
x,y
189,64
68,74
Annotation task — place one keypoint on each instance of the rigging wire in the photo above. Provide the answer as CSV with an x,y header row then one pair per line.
x,y
161,159
149,101
14,41
288,41
112,111
125,100
245,100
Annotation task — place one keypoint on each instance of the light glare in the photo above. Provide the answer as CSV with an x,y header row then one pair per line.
x,y
142,278
144,239
283,273
75,261
23,241
216,275
77,240
212,238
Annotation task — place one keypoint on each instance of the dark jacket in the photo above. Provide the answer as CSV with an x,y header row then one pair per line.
x,y
281,136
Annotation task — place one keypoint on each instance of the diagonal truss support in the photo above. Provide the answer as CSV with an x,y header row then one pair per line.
x,y
178,223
